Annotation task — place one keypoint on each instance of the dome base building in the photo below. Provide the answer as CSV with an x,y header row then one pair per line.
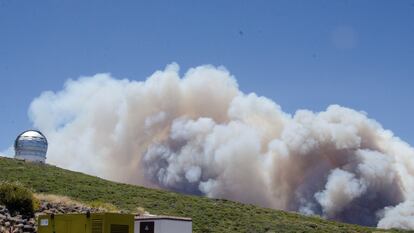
x,y
31,145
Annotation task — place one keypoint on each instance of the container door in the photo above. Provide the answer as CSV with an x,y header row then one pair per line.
x,y
61,226
76,227
67,226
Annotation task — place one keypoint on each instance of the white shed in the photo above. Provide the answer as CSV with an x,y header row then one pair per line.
x,y
163,224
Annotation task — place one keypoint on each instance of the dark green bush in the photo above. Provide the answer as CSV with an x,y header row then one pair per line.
x,y
17,199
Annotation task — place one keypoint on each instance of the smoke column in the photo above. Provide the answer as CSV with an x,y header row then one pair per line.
x,y
200,134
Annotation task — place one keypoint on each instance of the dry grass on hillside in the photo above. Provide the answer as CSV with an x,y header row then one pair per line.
x,y
67,201
56,199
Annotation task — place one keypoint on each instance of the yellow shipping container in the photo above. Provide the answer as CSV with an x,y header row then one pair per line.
x,y
86,223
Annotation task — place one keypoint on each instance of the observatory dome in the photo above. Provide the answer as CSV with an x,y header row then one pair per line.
x,y
31,145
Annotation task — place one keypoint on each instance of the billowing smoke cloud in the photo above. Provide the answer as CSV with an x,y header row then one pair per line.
x,y
200,134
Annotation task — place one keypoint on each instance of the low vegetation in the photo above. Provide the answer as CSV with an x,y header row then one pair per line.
x,y
17,198
209,215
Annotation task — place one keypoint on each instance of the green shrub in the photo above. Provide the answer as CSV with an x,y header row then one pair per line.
x,y
17,199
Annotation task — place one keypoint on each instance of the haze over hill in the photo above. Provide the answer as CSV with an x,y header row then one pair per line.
x,y
200,134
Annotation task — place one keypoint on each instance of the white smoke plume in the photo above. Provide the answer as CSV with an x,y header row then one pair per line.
x,y
200,134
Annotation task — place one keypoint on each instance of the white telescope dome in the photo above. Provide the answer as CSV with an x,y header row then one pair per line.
x,y
31,145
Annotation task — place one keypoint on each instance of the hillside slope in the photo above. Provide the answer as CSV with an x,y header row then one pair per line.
x,y
209,215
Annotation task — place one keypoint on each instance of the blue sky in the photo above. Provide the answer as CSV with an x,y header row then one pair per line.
x,y
301,54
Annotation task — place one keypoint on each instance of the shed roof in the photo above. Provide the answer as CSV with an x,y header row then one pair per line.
x,y
161,217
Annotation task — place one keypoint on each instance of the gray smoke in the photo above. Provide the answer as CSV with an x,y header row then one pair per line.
x,y
200,134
